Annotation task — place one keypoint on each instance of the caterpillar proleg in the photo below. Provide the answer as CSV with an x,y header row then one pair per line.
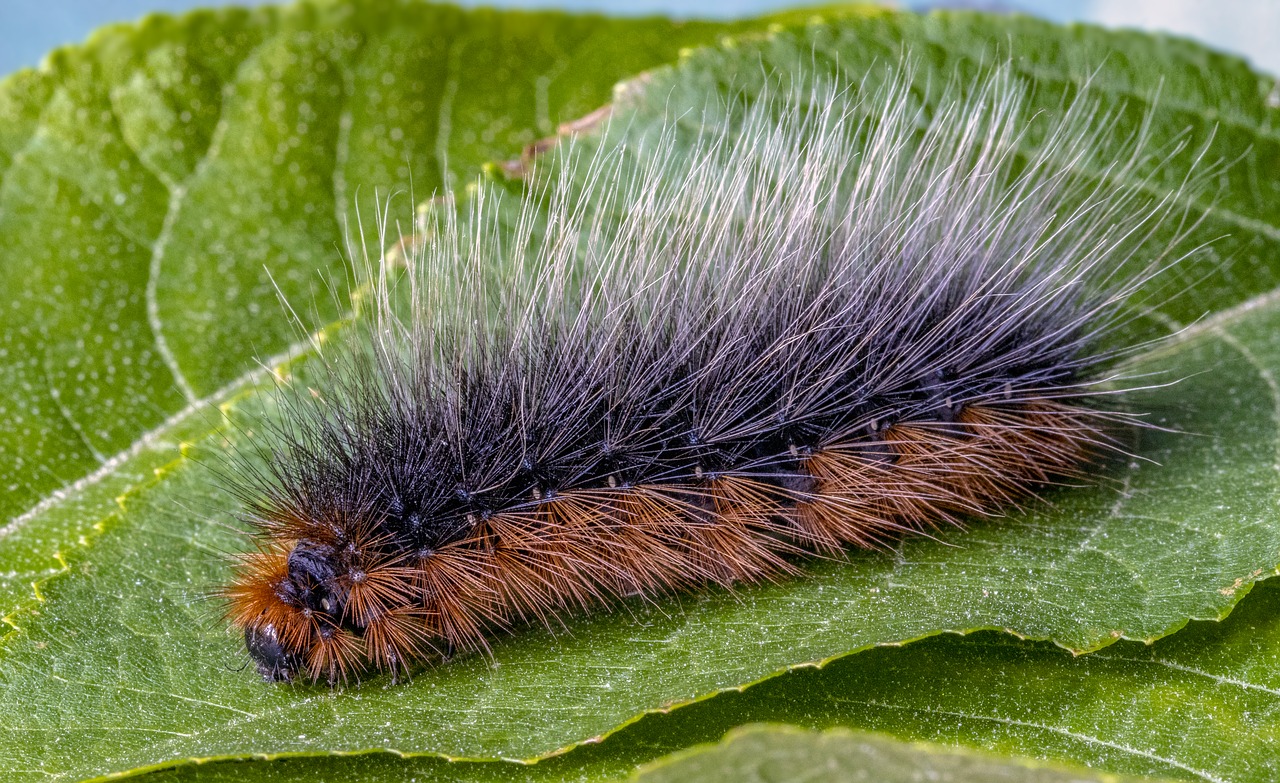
x,y
778,328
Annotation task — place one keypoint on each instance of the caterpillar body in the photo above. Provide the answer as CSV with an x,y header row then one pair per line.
x,y
816,321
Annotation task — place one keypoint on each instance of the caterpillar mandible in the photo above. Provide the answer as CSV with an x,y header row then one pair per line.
x,y
779,328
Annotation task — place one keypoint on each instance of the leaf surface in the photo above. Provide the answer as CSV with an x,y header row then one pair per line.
x,y
775,754
147,179
1202,705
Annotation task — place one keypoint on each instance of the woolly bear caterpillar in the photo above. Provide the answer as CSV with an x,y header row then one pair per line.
x,y
820,322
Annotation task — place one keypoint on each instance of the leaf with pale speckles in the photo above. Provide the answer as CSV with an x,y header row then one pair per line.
x,y
158,182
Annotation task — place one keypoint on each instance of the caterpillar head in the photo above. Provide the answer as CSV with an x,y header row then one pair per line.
x,y
270,658
313,610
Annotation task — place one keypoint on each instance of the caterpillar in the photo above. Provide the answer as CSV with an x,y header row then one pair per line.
x,y
695,356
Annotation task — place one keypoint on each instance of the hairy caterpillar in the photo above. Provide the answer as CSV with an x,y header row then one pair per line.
x,y
818,321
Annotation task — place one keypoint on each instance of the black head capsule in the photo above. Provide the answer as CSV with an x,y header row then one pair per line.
x,y
270,658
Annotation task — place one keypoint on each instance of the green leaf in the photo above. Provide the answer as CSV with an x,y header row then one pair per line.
x,y
130,220
784,753
1202,705
126,640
